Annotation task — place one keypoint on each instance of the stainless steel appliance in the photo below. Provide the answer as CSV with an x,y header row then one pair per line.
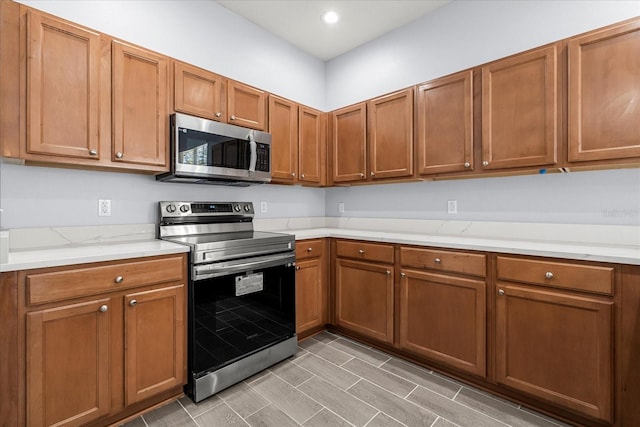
x,y
241,292
208,152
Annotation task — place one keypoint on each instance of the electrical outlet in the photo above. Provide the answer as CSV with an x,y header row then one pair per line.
x,y
104,207
452,207
263,207
341,207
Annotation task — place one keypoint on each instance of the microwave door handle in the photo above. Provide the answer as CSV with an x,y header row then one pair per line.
x,y
254,154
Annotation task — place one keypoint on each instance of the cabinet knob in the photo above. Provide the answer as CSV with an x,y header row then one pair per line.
x,y
467,164
548,275
361,251
103,308
297,267
403,274
388,272
119,279
133,302
361,175
309,249
302,176
218,114
293,174
500,292
437,260
232,117
119,155
93,152
372,173
485,163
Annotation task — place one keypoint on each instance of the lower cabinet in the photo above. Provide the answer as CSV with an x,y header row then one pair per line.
x,y
364,294
311,286
89,358
443,318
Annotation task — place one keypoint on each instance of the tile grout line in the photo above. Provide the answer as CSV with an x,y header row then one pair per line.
x,y
457,393
372,418
323,406
189,414
435,421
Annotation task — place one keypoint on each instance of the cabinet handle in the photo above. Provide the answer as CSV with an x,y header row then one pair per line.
x,y
361,175
548,275
218,114
297,267
485,163
403,275
437,260
361,251
232,117
309,249
119,155
119,279
500,292
388,273
133,302
467,164
104,308
93,152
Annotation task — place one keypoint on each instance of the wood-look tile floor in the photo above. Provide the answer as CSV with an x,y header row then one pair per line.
x,y
333,381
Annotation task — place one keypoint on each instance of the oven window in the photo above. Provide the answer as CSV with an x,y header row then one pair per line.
x,y
228,325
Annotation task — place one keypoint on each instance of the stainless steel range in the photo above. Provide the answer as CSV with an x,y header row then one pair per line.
x,y
241,292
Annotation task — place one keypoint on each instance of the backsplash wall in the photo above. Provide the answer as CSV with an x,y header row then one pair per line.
x,y
597,197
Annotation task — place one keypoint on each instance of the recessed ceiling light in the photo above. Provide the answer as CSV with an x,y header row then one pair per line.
x,y
330,17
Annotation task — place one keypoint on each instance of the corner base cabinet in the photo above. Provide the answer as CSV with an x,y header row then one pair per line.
x,y
100,339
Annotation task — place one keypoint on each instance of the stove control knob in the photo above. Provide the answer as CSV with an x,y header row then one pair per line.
x,y
247,208
171,208
184,208
236,208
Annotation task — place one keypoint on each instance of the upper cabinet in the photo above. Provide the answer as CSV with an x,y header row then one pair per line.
x,y
140,106
246,106
520,110
199,92
63,88
444,126
390,135
312,146
349,143
283,126
604,94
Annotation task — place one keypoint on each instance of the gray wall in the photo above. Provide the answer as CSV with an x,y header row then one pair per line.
x,y
458,35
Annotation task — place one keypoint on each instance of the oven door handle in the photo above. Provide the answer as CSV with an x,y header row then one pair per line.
x,y
201,272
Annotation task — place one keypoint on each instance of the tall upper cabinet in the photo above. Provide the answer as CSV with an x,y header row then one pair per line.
x,y
604,94
520,110
349,143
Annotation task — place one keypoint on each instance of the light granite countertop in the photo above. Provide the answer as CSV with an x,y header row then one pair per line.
x,y
58,246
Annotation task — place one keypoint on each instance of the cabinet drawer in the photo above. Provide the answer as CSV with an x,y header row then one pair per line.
x,y
64,284
456,262
309,249
365,251
587,278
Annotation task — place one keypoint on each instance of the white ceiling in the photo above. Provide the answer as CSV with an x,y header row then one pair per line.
x,y
300,21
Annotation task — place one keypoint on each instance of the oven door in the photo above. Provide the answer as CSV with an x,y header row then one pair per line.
x,y
238,308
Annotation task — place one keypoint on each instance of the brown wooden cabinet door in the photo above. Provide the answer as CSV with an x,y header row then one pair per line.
x,y
311,298
246,106
199,92
556,346
390,133
364,298
312,146
68,364
155,344
604,94
445,124
349,141
444,319
520,110
63,62
283,126
140,106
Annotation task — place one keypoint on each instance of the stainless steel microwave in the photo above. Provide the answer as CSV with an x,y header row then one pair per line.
x,y
209,152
